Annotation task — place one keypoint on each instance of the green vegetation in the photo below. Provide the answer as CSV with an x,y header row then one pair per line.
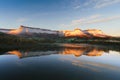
x,y
12,40
6,39
95,40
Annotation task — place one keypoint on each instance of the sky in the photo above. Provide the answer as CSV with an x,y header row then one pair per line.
x,y
62,14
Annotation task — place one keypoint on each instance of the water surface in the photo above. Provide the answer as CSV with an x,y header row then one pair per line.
x,y
71,62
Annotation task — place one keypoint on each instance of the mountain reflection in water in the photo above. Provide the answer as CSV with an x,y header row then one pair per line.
x,y
68,49
67,62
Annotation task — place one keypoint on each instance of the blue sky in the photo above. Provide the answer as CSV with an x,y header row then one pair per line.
x,y
62,14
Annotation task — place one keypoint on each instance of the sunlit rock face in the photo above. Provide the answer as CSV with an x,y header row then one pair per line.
x,y
75,33
95,32
29,30
17,31
84,33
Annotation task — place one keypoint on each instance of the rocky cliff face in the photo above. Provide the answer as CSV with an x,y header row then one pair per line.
x,y
29,31
84,33
95,33
16,31
34,32
75,33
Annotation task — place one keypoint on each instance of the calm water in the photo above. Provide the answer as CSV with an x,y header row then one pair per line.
x,y
72,62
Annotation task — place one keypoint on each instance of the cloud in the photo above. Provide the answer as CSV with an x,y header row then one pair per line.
x,y
22,20
103,20
94,3
77,7
91,20
103,3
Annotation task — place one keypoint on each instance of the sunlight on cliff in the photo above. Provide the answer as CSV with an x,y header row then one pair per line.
x,y
66,33
76,33
16,31
96,33
83,33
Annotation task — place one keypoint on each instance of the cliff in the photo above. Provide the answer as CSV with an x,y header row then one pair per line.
x,y
29,30
84,33
75,33
95,33
38,32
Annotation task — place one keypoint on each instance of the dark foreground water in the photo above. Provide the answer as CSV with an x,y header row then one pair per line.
x,y
72,62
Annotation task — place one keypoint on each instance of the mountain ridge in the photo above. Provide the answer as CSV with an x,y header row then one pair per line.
x,y
31,31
